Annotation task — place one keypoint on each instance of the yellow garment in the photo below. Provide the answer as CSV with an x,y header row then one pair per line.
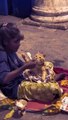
x,y
44,92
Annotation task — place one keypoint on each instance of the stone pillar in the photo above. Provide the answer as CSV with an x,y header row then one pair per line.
x,y
50,11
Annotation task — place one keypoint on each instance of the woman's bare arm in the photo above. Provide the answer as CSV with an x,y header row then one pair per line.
x,y
13,74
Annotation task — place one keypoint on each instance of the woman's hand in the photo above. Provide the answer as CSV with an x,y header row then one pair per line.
x,y
30,65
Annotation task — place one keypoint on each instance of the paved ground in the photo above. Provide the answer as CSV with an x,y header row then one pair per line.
x,y
52,42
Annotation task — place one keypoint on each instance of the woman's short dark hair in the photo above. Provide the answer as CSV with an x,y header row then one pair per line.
x,y
8,32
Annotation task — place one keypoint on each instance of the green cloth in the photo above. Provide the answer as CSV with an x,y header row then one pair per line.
x,y
45,92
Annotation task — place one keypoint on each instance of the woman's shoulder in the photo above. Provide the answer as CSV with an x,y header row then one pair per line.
x,y
3,56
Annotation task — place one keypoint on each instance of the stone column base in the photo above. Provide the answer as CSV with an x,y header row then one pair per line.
x,y
54,11
61,26
50,19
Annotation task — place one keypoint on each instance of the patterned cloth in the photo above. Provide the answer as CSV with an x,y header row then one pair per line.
x,y
45,92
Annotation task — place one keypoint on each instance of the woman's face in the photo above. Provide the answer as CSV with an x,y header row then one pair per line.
x,y
13,45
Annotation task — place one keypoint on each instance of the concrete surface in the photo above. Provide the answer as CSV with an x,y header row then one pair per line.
x,y
53,43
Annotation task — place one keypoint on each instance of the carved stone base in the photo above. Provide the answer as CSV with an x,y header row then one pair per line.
x,y
50,11
61,26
